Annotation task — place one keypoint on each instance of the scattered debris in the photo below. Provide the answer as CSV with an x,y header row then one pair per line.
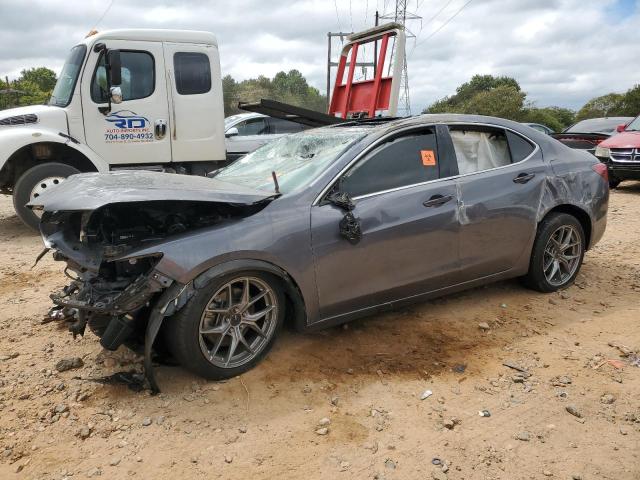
x,y
324,422
607,399
322,431
436,461
517,367
426,394
133,380
523,436
561,381
573,410
484,413
459,368
69,364
484,326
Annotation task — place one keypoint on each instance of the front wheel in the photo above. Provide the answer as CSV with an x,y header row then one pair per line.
x,y
35,182
557,253
228,326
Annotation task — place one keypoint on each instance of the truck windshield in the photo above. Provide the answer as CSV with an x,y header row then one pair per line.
x,y
297,159
63,91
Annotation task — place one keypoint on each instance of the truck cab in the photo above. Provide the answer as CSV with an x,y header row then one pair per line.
x,y
125,99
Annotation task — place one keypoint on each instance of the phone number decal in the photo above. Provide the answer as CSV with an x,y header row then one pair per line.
x,y
145,136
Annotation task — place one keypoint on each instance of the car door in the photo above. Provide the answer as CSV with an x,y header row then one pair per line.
x,y
197,116
252,133
502,176
130,132
408,222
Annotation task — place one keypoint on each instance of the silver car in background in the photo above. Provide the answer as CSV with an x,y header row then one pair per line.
x,y
318,228
245,132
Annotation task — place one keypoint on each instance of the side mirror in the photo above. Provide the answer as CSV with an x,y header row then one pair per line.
x,y
232,132
115,67
116,94
621,127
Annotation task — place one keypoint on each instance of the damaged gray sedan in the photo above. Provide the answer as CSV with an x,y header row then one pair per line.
x,y
316,229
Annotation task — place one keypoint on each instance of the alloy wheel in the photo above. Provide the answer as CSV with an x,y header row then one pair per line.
x,y
238,322
41,187
562,255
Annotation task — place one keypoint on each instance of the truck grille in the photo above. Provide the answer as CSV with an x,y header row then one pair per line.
x,y
20,119
625,155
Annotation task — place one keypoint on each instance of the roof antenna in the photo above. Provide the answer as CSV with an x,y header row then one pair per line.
x,y
275,181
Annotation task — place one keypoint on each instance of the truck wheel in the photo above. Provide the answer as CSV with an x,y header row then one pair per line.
x,y
557,253
228,326
614,182
33,183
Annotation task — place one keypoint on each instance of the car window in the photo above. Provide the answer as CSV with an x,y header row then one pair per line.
x,y
519,147
193,73
403,161
253,126
138,77
279,125
479,148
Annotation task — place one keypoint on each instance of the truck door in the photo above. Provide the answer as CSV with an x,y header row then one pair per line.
x,y
131,133
195,99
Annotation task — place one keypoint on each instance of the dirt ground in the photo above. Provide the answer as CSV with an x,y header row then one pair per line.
x,y
367,379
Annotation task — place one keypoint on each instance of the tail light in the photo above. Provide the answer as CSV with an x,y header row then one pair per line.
x,y
601,169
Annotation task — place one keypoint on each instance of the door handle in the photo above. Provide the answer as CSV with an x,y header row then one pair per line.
x,y
523,177
160,129
437,200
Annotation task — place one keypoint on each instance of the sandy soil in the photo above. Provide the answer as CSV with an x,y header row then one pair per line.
x,y
366,378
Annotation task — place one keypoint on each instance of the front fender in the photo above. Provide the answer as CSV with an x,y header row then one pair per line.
x,y
13,139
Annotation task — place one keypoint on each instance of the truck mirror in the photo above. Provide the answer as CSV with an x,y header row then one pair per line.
x,y
116,94
232,132
115,74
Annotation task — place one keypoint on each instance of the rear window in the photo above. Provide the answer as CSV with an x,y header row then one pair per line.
x,y
193,73
597,125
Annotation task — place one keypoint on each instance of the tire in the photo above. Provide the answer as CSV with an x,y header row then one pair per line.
x,y
52,172
613,183
188,345
550,226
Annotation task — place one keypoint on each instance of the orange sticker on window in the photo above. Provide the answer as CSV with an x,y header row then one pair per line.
x,y
428,158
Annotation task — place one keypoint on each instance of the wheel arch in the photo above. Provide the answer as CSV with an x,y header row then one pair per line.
x,y
296,315
25,156
579,214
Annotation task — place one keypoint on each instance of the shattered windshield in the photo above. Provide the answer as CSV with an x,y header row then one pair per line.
x,y
296,159
63,91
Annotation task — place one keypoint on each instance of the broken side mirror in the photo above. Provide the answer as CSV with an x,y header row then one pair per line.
x,y
232,132
114,67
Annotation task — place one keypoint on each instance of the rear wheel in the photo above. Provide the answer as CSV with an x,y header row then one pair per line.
x,y
614,182
557,253
228,326
33,183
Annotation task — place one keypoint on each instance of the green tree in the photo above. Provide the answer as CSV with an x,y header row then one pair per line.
x,y
503,101
43,77
609,105
630,105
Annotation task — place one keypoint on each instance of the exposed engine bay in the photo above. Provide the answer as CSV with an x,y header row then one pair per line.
x,y
114,295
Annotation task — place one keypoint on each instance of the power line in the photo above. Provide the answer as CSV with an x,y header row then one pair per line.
x,y
103,15
438,12
445,23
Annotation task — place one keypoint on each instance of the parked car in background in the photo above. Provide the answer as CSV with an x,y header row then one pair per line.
x,y
540,127
621,153
587,134
319,227
245,132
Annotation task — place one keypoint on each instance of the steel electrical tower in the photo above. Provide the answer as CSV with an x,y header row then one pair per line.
x,y
401,15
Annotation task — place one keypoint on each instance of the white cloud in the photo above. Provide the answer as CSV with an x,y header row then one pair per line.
x,y
562,52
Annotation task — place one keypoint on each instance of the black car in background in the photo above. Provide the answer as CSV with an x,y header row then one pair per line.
x,y
587,134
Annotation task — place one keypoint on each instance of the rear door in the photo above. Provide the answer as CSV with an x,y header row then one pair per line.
x,y
409,225
127,134
502,176
196,107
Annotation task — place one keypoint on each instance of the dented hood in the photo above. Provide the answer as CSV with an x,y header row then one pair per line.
x,y
89,191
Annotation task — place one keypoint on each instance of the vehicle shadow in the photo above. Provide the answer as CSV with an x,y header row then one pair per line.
x,y
628,187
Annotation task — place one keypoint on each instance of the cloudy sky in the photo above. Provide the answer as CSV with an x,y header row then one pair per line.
x,y
563,52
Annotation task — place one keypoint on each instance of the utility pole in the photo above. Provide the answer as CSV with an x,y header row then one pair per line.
x,y
401,16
